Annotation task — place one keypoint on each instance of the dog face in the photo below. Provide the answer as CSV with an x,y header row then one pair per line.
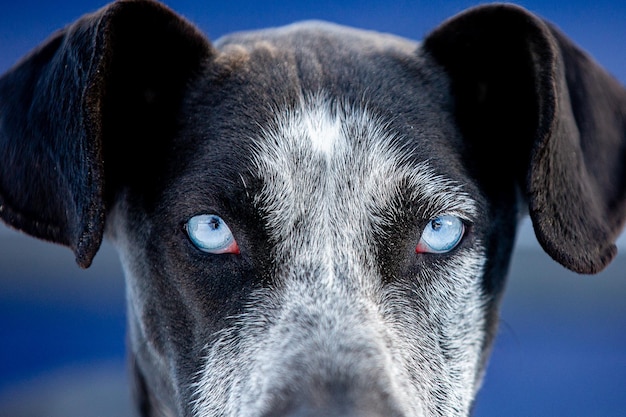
x,y
327,200
313,220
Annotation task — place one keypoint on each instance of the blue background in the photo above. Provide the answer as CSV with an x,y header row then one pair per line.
x,y
561,349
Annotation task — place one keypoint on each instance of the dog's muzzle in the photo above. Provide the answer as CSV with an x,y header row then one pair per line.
x,y
319,348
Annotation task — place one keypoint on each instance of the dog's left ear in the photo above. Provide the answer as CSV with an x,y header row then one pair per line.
x,y
538,111
87,111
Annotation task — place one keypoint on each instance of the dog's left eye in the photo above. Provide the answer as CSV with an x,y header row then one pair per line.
x,y
441,235
210,234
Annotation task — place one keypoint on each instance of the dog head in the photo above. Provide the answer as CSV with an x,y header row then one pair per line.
x,y
313,220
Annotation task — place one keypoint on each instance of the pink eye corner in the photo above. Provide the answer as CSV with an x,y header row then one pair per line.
x,y
233,248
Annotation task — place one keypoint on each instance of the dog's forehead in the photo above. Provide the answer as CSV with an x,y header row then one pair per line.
x,y
323,139
334,171
273,67
317,88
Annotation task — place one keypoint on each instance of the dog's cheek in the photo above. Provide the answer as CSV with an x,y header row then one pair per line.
x,y
209,287
436,311
174,317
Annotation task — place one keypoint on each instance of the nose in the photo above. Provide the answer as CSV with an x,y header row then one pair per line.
x,y
334,400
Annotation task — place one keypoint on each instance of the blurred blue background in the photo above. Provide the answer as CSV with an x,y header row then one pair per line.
x,y
561,348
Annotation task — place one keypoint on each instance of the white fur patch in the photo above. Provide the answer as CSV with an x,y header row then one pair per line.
x,y
332,178
324,131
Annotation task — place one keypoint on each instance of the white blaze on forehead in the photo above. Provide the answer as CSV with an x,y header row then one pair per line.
x,y
323,130
332,174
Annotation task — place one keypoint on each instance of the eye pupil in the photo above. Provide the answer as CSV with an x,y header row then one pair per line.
x,y
436,224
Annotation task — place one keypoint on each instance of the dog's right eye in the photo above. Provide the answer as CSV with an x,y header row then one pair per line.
x,y
210,234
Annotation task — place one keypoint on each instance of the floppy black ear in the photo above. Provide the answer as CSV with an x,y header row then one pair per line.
x,y
95,91
538,111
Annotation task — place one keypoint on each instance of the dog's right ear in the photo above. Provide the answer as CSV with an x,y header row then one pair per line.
x,y
99,92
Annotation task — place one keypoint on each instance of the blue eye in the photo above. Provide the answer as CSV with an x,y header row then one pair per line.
x,y
210,234
441,235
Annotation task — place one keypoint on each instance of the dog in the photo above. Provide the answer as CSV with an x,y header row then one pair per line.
x,y
314,219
